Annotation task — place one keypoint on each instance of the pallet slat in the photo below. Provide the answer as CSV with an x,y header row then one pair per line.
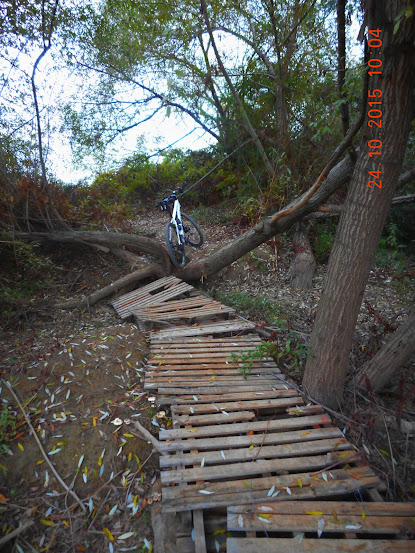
x,y
247,469
310,523
256,490
244,428
213,328
240,441
287,545
246,454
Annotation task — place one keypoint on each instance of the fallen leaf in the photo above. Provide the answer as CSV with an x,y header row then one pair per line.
x,y
108,533
47,522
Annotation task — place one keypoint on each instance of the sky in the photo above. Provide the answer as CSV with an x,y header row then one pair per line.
x,y
56,86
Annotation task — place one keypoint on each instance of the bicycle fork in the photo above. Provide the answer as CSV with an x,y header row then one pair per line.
x,y
177,221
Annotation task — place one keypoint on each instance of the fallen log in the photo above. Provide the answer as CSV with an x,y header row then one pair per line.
x,y
103,238
153,271
399,349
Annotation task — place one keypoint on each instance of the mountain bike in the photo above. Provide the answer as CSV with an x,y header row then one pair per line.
x,y
181,230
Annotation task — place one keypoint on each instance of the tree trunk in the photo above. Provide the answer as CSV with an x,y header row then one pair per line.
x,y
265,230
108,239
303,267
365,210
246,121
390,358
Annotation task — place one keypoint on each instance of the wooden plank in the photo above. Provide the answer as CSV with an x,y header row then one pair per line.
x,y
219,418
199,531
145,289
306,410
218,379
259,488
256,490
245,470
270,438
162,296
201,348
230,381
265,452
196,372
323,545
123,304
204,342
243,428
206,362
183,304
214,364
213,328
213,389
343,508
158,313
237,405
250,521
170,358
225,339
236,396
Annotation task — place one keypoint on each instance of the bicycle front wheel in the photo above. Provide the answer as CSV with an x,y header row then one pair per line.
x,y
175,250
192,231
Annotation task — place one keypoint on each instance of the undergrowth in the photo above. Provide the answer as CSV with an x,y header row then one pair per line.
x,y
23,273
258,307
285,345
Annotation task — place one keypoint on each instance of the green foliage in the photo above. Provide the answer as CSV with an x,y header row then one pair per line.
x,y
390,250
292,354
324,234
257,307
246,358
142,181
287,348
24,273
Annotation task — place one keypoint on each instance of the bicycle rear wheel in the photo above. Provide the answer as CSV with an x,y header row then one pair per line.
x,y
192,231
175,250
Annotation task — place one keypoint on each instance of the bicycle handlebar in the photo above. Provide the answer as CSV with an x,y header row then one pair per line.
x,y
173,196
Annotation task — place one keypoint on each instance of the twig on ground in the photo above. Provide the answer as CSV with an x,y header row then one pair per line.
x,y
147,436
44,454
135,474
390,449
16,532
99,509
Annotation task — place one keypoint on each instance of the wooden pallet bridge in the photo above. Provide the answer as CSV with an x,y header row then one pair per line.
x,y
248,466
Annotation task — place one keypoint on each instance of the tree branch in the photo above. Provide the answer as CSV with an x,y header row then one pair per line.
x,y
245,118
341,148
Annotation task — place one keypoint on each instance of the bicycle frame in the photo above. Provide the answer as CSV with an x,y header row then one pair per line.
x,y
176,220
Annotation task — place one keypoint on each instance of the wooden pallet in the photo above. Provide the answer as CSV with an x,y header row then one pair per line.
x,y
221,327
243,447
154,293
188,310
343,526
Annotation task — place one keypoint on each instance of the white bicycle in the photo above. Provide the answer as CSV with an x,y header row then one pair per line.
x,y
181,230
